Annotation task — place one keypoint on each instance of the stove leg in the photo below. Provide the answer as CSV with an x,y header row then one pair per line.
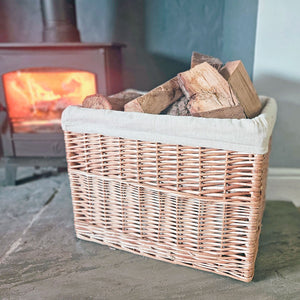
x,y
10,174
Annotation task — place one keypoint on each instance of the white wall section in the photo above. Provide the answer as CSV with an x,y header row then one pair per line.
x,y
277,74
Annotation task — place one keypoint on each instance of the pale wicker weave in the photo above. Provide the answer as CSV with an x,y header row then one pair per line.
x,y
197,207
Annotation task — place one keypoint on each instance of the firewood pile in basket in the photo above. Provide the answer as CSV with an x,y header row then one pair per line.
x,y
208,89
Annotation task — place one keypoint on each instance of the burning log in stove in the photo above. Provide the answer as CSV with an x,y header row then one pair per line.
x,y
55,106
42,94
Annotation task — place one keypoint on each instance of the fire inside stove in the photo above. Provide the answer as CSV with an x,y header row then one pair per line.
x,y
36,97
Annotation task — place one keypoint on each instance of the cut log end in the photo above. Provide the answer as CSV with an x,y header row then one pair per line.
x,y
133,106
96,101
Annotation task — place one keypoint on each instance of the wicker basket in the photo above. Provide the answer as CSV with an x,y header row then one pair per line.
x,y
193,206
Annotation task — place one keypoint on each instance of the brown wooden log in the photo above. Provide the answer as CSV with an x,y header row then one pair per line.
x,y
233,112
209,92
178,108
236,75
124,97
112,102
98,101
157,99
198,58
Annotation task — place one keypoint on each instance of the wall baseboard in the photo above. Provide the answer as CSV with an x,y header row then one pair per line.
x,y
284,173
284,185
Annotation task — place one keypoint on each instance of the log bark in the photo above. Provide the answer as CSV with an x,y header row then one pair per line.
x,y
157,99
209,93
236,75
233,112
198,58
178,108
124,97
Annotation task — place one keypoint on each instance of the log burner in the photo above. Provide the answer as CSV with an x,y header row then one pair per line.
x,y
40,80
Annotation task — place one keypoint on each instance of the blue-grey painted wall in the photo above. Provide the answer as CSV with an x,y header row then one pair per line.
x,y
175,28
160,34
239,31
96,20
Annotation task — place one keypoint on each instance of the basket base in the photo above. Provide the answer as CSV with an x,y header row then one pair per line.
x,y
194,259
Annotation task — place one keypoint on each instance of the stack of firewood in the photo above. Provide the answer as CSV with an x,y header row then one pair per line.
x,y
208,89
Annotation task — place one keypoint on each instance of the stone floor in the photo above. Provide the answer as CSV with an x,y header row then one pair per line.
x,y
40,257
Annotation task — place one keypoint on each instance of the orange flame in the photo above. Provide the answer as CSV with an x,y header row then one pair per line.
x,y
42,94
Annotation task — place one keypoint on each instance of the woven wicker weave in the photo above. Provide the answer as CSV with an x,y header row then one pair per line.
x,y
197,207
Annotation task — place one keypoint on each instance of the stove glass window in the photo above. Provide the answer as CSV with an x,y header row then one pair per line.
x,y
35,98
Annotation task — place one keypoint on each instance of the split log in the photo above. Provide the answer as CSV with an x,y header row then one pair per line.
x,y
236,75
178,108
112,102
157,99
233,112
198,58
209,93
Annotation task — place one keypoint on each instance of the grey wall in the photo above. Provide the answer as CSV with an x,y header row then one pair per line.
x,y
161,34
239,31
176,28
20,21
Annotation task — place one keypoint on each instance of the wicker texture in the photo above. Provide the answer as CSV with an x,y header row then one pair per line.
x,y
192,206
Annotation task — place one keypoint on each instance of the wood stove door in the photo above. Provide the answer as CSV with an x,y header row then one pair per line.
x,y
35,99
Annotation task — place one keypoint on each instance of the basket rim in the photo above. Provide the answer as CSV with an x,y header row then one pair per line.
x,y
244,135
